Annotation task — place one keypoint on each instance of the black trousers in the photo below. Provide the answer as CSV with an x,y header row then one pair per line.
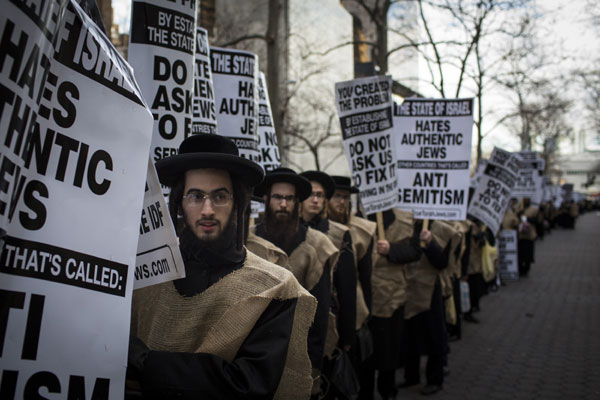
x,y
456,330
387,356
476,289
426,334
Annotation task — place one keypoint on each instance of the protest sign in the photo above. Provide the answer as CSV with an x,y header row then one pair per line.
x,y
256,207
365,111
158,256
530,177
492,196
268,157
204,115
433,152
478,173
557,195
74,138
508,266
161,51
235,79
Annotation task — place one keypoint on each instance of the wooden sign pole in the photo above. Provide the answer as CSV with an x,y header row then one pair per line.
x,y
380,228
425,227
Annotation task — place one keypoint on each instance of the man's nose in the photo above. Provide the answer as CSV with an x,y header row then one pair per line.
x,y
207,208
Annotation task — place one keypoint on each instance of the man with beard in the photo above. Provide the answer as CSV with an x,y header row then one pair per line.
x,y
236,326
262,247
311,254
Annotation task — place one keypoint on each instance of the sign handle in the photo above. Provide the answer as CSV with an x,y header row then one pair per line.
x,y
425,227
380,229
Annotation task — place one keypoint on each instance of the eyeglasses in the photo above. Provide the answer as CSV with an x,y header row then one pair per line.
x,y
218,198
340,197
318,195
290,198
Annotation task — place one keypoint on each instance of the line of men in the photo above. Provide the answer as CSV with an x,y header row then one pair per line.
x,y
299,304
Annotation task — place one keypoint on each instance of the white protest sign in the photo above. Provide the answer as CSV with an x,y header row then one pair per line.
x,y
204,115
161,52
547,189
71,196
158,256
530,178
235,79
365,111
478,173
557,195
256,207
492,196
269,157
433,153
508,265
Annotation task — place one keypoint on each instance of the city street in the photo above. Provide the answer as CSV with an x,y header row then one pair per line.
x,y
539,337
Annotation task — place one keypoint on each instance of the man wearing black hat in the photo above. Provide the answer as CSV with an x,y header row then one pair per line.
x,y
314,214
236,326
343,307
311,254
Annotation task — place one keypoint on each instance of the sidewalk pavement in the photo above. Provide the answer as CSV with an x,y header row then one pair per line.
x,y
539,337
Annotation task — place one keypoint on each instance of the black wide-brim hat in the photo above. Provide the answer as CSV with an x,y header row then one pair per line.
x,y
208,151
344,183
287,175
322,178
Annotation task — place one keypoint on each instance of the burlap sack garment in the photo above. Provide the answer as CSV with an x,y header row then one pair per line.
x,y
336,234
421,275
474,266
463,228
267,250
510,220
307,262
574,210
362,232
218,320
447,274
532,215
388,280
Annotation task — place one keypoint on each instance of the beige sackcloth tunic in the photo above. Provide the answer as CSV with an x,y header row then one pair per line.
x,y
362,232
421,275
388,280
218,320
267,250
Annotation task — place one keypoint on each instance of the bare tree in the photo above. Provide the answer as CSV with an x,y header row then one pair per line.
x,y
458,46
590,87
308,136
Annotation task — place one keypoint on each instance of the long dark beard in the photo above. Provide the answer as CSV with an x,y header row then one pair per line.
x,y
281,231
